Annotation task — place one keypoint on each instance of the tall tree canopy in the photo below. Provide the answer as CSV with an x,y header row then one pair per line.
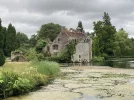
x,y
49,30
104,37
10,40
21,39
4,31
33,40
2,57
124,44
106,19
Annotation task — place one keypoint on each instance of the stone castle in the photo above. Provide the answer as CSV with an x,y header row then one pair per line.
x,y
83,52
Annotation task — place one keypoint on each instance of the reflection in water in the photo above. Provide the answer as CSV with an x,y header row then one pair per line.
x,y
111,63
86,97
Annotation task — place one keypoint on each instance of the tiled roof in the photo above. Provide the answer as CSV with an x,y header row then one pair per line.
x,y
74,33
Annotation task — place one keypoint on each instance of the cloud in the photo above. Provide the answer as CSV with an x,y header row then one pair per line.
x,y
28,15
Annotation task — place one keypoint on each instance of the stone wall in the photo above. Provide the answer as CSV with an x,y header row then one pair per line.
x,y
83,53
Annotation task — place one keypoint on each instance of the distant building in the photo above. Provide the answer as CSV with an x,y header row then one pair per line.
x,y
18,56
83,48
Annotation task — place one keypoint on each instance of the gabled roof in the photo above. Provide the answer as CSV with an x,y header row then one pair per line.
x,y
73,33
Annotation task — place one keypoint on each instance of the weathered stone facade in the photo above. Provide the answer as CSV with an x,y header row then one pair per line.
x,y
17,56
83,48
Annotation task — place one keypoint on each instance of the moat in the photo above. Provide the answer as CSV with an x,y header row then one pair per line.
x,y
87,83
116,63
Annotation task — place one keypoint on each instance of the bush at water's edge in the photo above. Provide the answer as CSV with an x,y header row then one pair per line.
x,y
13,83
95,58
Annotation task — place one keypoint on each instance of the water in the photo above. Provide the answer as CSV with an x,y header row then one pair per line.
x,y
86,97
116,63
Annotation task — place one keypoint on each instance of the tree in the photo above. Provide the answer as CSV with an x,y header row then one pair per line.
x,y
104,37
80,26
39,46
2,57
106,19
67,54
33,40
4,31
49,30
21,39
123,43
10,40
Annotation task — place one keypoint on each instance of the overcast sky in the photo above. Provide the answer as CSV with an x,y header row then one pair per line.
x,y
28,15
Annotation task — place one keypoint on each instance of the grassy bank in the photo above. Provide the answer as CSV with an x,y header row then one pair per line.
x,y
19,78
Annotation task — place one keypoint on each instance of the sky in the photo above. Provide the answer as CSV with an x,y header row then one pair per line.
x,y
28,15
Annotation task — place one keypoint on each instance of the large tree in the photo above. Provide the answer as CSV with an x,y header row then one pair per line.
x,y
4,31
33,40
49,30
10,40
21,39
105,37
2,57
124,44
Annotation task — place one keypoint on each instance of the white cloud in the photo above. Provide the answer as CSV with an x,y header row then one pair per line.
x,y
28,15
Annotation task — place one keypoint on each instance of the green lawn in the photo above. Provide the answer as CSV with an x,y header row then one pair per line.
x,y
15,66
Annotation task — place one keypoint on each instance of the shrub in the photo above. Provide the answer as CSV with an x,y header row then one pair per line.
x,y
7,81
14,83
40,56
54,58
98,58
39,79
21,86
31,55
48,68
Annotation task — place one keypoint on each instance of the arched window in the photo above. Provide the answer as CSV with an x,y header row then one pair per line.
x,y
55,47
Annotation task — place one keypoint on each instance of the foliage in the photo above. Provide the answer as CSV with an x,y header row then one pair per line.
x,y
21,86
49,30
31,54
1,37
39,79
4,32
123,44
67,54
39,46
80,26
40,56
53,58
21,39
97,58
48,68
33,40
103,41
2,57
10,40
7,80
25,77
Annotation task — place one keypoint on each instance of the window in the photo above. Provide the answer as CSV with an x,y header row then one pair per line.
x,y
58,40
55,47
79,56
48,49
